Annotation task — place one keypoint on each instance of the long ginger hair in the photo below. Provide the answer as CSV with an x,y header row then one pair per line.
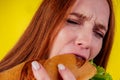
x,y
37,40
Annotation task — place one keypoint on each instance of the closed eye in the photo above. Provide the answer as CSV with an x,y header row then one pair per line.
x,y
99,30
72,21
98,34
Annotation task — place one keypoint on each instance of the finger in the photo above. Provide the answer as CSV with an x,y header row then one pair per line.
x,y
65,73
39,72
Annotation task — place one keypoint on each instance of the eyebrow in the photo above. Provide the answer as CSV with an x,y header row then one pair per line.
x,y
80,16
83,18
101,27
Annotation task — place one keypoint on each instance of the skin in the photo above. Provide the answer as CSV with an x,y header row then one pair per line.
x,y
82,35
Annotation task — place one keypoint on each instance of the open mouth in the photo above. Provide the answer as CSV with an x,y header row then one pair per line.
x,y
80,60
80,57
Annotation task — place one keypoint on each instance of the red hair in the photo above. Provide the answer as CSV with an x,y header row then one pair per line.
x,y
38,37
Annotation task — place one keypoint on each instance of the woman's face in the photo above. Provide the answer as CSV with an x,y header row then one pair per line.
x,y
84,30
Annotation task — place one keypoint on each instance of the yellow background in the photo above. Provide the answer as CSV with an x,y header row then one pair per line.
x,y
15,15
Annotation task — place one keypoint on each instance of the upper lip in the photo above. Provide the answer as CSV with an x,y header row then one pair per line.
x,y
78,52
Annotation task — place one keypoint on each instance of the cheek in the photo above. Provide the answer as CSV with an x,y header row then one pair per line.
x,y
96,49
64,37
60,41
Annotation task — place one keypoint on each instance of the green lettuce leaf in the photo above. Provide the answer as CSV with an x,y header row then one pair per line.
x,y
101,73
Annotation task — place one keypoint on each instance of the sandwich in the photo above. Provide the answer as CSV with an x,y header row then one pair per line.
x,y
81,69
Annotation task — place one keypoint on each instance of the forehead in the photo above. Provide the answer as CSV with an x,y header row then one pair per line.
x,y
97,9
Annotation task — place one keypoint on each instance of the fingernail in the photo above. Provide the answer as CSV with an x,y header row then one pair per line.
x,y
61,67
35,65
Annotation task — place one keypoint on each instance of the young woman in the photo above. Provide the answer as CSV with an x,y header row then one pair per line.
x,y
82,27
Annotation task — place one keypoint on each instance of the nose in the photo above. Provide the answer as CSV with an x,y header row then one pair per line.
x,y
84,39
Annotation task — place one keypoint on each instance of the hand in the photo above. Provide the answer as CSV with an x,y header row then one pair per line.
x,y
41,74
